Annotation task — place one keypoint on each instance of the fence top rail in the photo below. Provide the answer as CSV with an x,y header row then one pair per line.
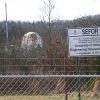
x,y
49,76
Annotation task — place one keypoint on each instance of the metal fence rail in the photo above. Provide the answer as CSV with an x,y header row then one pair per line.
x,y
48,87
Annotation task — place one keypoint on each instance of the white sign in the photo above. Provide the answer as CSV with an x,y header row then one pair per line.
x,y
84,42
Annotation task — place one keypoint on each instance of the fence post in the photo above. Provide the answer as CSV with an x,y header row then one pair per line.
x,y
78,79
66,92
65,69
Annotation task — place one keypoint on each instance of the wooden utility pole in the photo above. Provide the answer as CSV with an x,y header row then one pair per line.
x,y
6,24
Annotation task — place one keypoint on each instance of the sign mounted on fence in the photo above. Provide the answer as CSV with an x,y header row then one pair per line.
x,y
84,42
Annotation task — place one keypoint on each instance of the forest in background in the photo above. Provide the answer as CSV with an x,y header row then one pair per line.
x,y
55,50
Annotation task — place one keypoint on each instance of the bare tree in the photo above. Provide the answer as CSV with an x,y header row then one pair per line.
x,y
47,10
54,38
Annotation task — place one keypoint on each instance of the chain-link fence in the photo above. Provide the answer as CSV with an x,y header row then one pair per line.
x,y
28,78
49,87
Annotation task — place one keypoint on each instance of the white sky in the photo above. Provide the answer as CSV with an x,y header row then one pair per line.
x,y
29,10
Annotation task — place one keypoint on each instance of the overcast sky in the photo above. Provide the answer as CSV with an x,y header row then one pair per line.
x,y
29,10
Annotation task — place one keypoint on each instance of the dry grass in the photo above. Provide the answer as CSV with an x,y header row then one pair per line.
x,y
86,96
55,97
72,96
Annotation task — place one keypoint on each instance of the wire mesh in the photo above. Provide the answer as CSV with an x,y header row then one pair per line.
x,y
47,87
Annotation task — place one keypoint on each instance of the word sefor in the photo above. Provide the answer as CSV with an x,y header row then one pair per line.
x,y
90,31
